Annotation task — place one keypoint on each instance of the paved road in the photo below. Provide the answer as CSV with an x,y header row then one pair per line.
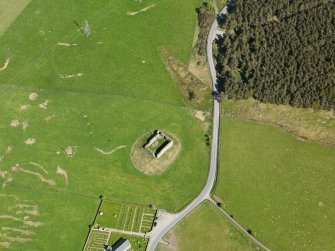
x,y
168,221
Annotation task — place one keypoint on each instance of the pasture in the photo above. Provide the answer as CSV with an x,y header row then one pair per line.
x,y
72,107
206,228
279,187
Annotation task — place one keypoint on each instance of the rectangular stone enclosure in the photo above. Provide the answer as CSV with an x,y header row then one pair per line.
x,y
158,143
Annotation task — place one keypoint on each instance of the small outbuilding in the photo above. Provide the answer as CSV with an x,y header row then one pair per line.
x,y
120,245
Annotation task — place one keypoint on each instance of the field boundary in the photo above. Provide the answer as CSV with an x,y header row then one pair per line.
x,y
89,230
240,227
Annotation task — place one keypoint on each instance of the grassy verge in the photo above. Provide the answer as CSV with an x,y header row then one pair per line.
x,y
306,124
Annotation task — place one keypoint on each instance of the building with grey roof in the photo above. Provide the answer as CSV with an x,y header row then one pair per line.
x,y
120,245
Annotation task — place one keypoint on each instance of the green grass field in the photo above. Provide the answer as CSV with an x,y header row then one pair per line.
x,y
280,188
205,229
122,91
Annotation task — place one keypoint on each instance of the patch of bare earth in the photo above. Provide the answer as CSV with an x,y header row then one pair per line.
x,y
25,222
17,168
70,151
14,123
16,239
110,152
25,124
5,244
7,178
148,164
172,242
133,13
201,115
39,166
27,209
61,171
66,44
21,231
30,141
5,65
44,105
65,76
48,118
33,96
24,107
3,174
9,149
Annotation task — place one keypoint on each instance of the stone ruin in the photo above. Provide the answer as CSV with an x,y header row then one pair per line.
x,y
154,147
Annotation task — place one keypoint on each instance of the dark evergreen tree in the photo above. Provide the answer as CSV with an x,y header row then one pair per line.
x,y
279,51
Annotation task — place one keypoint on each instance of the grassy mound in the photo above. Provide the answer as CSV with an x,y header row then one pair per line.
x,y
149,165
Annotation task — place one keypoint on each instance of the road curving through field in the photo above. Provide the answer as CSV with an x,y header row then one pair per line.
x,y
167,221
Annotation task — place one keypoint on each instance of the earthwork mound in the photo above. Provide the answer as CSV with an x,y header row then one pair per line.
x,y
148,164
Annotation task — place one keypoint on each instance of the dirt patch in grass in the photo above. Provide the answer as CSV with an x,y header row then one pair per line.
x,y
66,44
44,105
25,124
33,96
65,76
149,165
9,149
30,141
70,151
3,174
61,171
39,166
47,119
201,115
129,13
24,107
21,231
110,152
5,65
172,241
17,168
5,244
14,123
25,222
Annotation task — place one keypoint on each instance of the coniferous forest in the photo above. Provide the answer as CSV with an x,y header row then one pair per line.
x,y
279,51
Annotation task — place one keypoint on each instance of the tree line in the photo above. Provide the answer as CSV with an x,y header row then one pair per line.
x,y
279,51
